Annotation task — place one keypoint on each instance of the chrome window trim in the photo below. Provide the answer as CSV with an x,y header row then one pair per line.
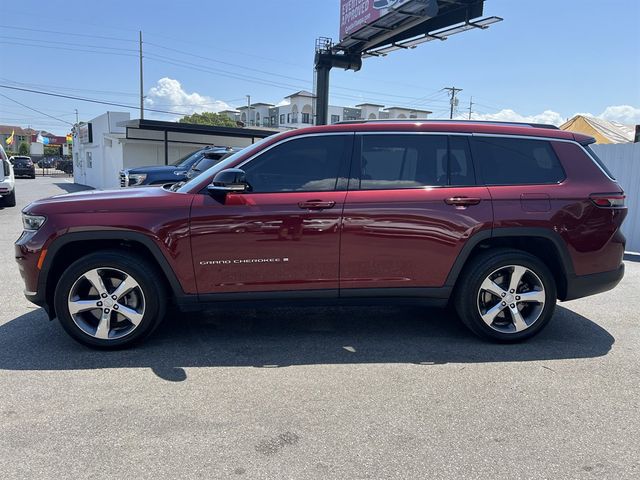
x,y
401,132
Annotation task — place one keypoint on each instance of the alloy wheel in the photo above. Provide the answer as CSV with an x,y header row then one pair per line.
x,y
511,299
106,303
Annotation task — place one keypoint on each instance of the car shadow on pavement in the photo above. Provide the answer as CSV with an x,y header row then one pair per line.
x,y
69,187
296,336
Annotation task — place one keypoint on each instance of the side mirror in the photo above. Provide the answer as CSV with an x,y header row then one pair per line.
x,y
229,180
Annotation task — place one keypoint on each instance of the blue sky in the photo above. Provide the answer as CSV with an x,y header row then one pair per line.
x,y
548,60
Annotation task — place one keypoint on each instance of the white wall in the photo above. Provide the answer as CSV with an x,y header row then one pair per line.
x,y
105,152
623,160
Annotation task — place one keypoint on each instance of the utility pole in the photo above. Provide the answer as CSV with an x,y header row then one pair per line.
x,y
470,107
453,91
141,81
77,121
248,110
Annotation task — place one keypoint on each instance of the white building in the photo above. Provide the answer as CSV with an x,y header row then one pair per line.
x,y
112,142
297,110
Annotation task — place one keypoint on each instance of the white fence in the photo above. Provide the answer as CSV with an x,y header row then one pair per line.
x,y
624,162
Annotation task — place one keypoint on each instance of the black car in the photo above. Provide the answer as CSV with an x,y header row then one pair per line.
x,y
209,159
23,166
163,174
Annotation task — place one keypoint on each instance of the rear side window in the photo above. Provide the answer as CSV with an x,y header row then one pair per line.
x,y
599,161
516,161
390,162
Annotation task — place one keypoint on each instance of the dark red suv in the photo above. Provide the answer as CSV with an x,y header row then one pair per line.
x,y
499,219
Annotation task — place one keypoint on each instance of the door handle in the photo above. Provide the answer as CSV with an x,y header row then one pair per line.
x,y
316,205
462,201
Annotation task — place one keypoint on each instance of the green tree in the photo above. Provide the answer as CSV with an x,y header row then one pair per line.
x,y
23,149
209,118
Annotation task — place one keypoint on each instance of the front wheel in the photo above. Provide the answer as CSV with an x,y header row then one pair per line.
x,y
110,299
506,295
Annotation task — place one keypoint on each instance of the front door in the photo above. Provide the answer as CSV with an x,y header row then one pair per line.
x,y
284,234
412,204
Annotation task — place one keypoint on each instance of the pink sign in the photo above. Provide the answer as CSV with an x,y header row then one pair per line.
x,y
355,14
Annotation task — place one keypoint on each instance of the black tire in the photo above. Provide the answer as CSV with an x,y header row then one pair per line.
x,y
146,276
467,294
9,200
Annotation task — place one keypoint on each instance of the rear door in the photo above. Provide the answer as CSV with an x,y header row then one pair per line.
x,y
412,205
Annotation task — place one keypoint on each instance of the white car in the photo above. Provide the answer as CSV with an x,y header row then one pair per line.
x,y
7,181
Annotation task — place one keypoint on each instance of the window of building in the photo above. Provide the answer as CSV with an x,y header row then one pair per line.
x,y
516,161
89,160
335,118
301,165
413,161
288,118
281,118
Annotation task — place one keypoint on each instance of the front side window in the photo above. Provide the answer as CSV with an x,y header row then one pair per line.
x,y
412,161
516,161
309,164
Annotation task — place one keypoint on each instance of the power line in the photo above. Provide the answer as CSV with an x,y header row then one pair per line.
x,y
66,43
89,100
4,42
39,30
35,110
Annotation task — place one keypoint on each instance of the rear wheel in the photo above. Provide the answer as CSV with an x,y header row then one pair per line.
x,y
506,295
110,299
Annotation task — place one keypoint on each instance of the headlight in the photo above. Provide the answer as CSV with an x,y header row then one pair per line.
x,y
32,222
137,178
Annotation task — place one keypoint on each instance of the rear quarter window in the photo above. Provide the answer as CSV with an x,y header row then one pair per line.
x,y
516,161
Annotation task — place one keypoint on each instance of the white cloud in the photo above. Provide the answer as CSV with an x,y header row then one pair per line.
x,y
169,95
625,114
508,115
622,113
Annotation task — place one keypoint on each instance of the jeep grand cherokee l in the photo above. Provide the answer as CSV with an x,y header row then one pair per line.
x,y
501,220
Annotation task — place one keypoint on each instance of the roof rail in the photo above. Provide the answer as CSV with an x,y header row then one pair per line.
x,y
429,120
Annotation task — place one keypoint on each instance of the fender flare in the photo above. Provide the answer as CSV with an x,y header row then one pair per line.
x,y
145,240
517,232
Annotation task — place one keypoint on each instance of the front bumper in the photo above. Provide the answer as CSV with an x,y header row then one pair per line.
x,y
27,253
584,285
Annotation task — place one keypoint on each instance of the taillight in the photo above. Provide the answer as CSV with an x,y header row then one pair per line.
x,y
608,200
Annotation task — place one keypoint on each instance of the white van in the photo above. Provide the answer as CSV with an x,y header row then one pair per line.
x,y
7,181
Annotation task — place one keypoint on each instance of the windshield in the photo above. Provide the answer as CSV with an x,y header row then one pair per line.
x,y
186,159
230,160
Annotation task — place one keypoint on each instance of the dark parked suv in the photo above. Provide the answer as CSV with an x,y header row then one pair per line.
x,y
501,220
164,174
23,166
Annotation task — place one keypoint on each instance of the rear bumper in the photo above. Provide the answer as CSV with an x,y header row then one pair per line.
x,y
584,285
26,171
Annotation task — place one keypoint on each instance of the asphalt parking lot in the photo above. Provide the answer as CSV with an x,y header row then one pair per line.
x,y
368,393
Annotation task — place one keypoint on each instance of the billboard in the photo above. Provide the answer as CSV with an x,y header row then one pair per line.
x,y
356,14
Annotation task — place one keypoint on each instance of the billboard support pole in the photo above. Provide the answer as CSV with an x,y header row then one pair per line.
x,y
325,60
